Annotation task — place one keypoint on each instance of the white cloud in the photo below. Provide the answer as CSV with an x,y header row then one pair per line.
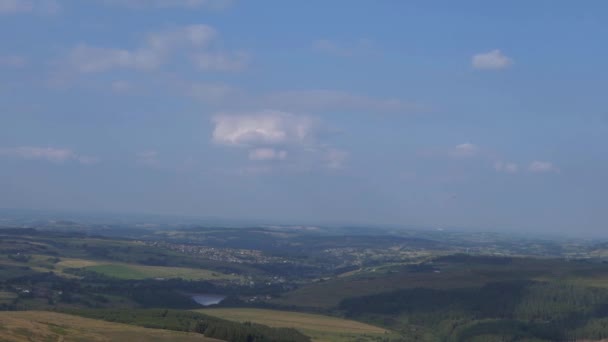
x,y
12,61
190,4
267,154
323,99
492,60
542,167
275,135
149,158
342,50
220,61
156,50
466,150
506,167
52,154
262,128
29,6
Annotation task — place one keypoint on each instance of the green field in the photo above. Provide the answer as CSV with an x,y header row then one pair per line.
x,y
41,263
49,326
133,271
319,327
129,271
120,270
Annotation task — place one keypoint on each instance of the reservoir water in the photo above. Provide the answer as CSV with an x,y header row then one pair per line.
x,y
208,299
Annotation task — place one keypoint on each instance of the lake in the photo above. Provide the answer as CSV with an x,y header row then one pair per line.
x,y
208,299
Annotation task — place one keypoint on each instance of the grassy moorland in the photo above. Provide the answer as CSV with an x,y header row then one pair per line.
x,y
319,327
49,326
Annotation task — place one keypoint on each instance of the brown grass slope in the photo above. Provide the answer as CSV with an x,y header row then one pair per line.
x,y
50,326
319,327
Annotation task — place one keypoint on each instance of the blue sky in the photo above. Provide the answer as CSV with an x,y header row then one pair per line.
x,y
475,114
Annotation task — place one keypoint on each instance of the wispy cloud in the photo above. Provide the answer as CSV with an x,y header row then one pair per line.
x,y
198,35
267,154
542,167
506,167
88,59
15,6
52,154
88,160
12,61
465,150
121,86
156,50
492,60
335,158
221,61
188,4
326,99
29,6
296,101
211,93
148,158
469,150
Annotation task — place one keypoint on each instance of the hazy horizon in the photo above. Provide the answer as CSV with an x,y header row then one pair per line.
x,y
487,116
